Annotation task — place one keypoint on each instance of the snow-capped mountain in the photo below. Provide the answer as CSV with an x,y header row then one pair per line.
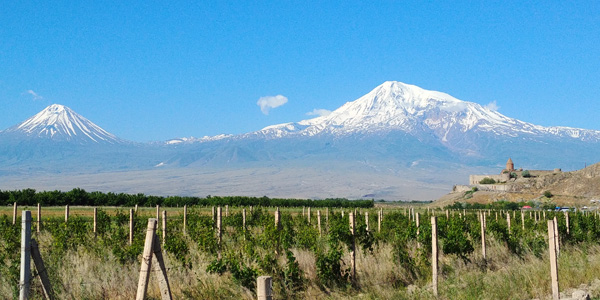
x,y
409,108
59,123
398,141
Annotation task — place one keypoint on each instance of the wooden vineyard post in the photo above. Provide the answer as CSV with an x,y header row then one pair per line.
x,y
277,219
277,227
66,213
367,219
25,276
379,220
159,268
553,260
135,209
327,216
319,221
153,262
14,213
219,223
567,220
303,211
556,237
544,215
95,219
157,212
227,210
213,213
515,215
417,222
308,216
164,227
496,216
184,219
130,226
42,272
39,218
523,220
508,221
447,215
146,260
483,248
244,219
434,256
353,248
264,288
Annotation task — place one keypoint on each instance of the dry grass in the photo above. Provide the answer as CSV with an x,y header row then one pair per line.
x,y
84,275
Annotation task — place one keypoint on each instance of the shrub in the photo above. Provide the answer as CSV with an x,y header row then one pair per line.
x,y
526,174
487,180
548,194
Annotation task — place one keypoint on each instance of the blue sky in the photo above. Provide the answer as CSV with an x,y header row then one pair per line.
x,y
154,70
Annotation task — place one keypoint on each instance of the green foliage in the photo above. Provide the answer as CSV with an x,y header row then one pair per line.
x,y
200,229
79,196
455,240
10,258
242,274
330,272
548,194
487,180
469,194
177,245
526,174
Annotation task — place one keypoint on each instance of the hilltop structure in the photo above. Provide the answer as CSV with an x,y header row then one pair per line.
x,y
502,181
510,166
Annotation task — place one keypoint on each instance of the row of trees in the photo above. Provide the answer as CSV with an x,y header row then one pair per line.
x,y
81,197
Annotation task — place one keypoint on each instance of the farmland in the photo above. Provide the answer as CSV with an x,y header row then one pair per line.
x,y
307,257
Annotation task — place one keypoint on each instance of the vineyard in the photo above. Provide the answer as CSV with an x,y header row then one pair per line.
x,y
218,253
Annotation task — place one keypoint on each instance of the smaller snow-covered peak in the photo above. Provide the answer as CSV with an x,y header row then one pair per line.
x,y
60,123
190,140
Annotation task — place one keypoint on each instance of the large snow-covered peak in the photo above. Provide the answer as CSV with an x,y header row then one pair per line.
x,y
398,106
60,123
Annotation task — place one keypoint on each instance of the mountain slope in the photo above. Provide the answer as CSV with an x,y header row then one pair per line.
x,y
398,106
59,123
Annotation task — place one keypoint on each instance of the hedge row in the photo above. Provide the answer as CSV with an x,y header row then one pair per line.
x,y
81,197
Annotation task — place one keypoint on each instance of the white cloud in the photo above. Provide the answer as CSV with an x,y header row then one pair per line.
x,y
34,95
492,106
319,112
269,102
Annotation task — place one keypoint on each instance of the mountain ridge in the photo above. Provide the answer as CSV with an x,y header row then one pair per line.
x,y
396,142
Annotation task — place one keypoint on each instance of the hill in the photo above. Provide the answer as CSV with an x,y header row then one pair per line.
x,y
576,188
